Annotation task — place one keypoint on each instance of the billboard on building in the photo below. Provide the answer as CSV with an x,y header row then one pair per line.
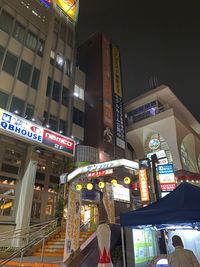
x,y
47,3
31,132
107,92
118,99
144,189
69,7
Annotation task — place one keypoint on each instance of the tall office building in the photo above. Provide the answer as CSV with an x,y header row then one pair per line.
x,y
99,58
38,104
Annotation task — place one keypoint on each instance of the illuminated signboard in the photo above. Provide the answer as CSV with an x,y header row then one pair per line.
x,y
100,173
144,189
166,177
26,130
20,127
121,193
58,141
69,7
47,3
154,143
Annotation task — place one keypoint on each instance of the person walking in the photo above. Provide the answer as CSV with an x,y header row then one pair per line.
x,y
181,257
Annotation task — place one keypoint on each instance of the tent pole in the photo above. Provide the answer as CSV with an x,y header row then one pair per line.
x,y
123,247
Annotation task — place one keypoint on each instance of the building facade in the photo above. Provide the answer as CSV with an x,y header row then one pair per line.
x,y
157,122
99,58
41,106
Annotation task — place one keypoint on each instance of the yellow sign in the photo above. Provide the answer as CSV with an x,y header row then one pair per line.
x,y
116,71
69,7
144,190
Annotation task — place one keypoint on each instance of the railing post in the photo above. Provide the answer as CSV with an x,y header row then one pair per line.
x,y
21,258
43,240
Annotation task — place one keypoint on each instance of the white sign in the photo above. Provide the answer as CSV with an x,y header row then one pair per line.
x,y
121,193
159,154
102,166
166,173
21,127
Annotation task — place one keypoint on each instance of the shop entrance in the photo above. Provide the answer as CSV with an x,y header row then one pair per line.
x,y
89,217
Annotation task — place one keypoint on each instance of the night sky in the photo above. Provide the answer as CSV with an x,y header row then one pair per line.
x,y
156,39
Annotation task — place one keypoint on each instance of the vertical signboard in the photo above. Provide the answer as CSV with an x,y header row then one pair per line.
x,y
73,222
166,177
107,92
144,189
108,201
118,99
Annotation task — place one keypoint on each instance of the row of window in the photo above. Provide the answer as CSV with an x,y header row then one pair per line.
x,y
9,25
26,74
60,62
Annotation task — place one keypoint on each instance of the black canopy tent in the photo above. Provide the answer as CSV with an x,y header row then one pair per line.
x,y
180,206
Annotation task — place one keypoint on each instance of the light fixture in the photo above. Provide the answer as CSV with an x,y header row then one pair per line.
x,y
101,185
16,111
89,186
79,187
60,131
48,126
76,94
114,182
127,180
33,119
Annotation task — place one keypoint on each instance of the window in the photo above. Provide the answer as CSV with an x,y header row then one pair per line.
x,y
40,47
29,111
53,122
63,31
56,91
24,72
63,127
7,195
65,96
19,32
3,100
31,41
17,106
78,92
2,50
35,78
70,37
10,63
48,91
78,117
60,61
45,118
6,22
67,66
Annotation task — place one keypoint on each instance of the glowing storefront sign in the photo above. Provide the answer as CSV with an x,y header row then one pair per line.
x,y
26,130
100,173
104,165
144,190
121,193
58,141
166,177
69,7
20,127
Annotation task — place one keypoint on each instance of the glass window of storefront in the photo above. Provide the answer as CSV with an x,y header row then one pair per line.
x,y
7,196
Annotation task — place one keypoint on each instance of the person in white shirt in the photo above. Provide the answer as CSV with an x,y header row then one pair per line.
x,y
181,257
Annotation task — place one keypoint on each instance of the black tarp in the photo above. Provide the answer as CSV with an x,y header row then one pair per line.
x,y
180,206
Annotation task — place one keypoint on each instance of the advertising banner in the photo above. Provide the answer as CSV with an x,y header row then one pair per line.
x,y
121,193
144,189
108,201
107,92
20,127
58,141
73,222
70,7
118,100
47,3
30,132
166,173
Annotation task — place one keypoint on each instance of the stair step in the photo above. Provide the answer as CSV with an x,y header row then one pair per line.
x,y
49,254
52,250
57,246
31,264
55,243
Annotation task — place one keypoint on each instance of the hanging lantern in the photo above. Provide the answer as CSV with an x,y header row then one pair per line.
x,y
79,187
89,186
127,180
114,182
101,185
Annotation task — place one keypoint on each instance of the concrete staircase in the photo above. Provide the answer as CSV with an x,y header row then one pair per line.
x,y
52,253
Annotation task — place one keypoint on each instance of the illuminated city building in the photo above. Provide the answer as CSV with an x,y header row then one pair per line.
x,y
158,123
41,105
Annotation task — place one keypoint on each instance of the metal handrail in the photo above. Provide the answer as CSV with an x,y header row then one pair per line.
x,y
23,250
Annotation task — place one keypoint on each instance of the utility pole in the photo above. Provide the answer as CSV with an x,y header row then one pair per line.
x,y
154,160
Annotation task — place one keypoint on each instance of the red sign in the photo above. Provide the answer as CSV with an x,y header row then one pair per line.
x,y
58,141
144,189
100,173
168,186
